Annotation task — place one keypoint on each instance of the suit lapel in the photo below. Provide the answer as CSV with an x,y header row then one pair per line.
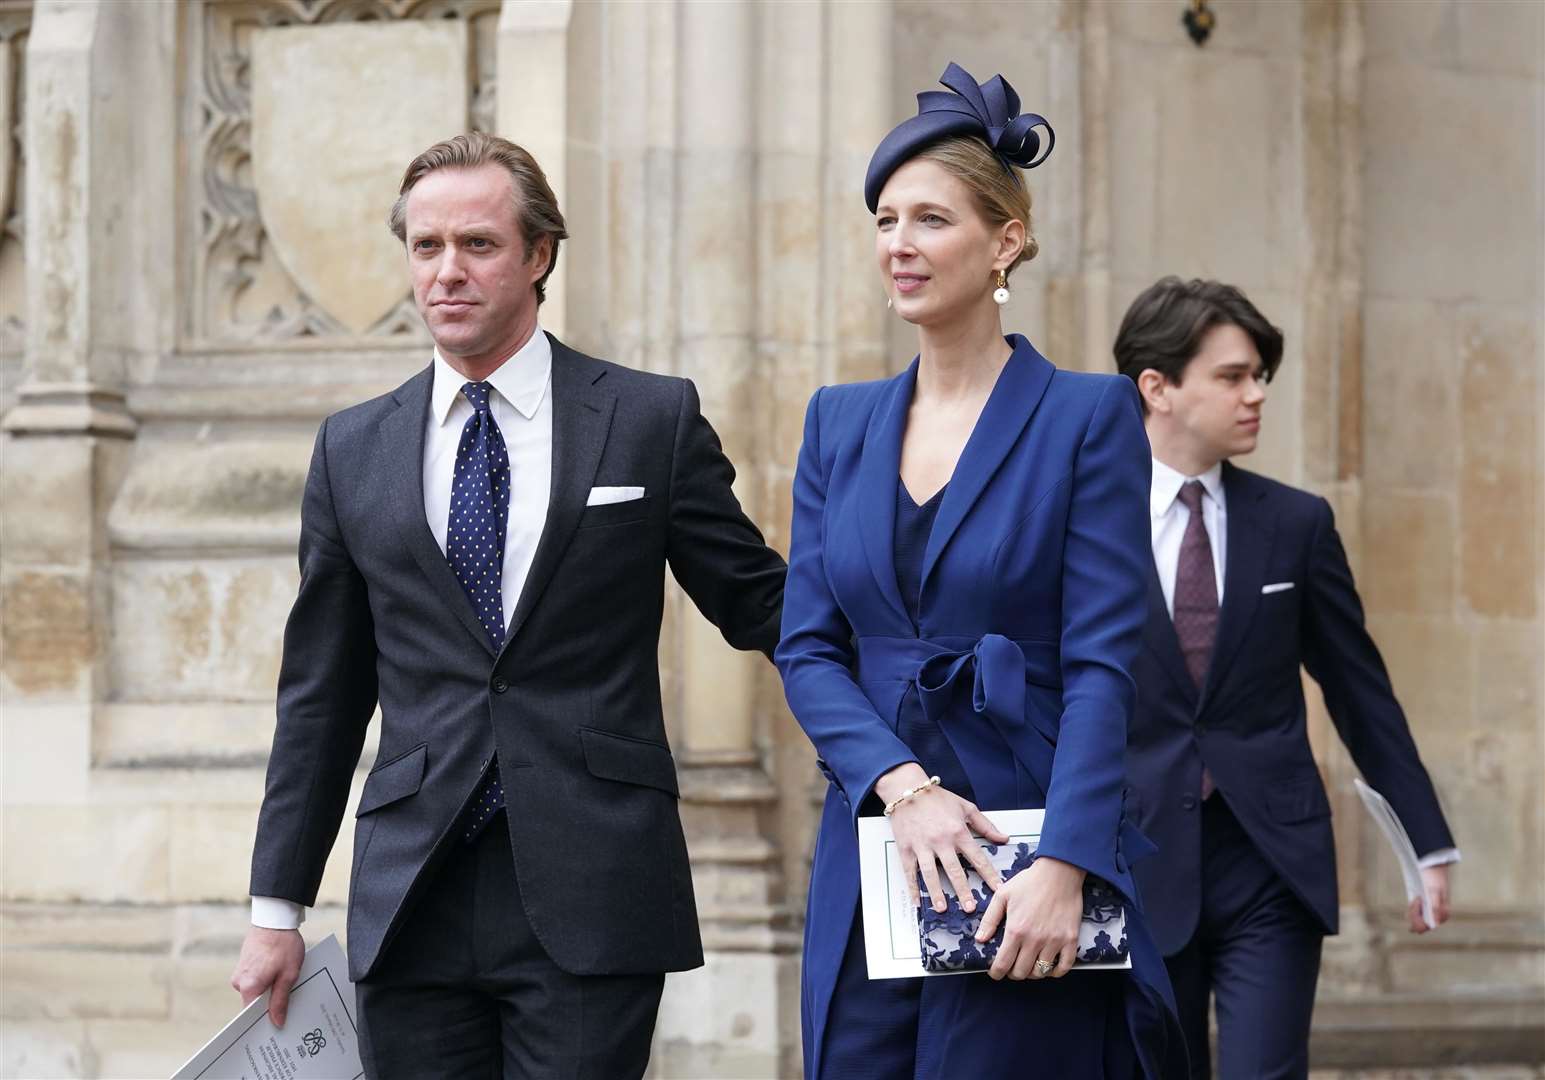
x,y
402,435
1161,640
1249,545
879,471
582,417
1014,399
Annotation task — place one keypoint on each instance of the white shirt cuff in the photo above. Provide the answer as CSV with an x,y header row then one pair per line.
x,y
1441,857
272,913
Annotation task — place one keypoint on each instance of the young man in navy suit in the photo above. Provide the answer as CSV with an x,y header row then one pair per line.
x,y
1250,581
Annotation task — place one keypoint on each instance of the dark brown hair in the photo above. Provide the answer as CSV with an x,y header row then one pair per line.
x,y
536,208
1164,327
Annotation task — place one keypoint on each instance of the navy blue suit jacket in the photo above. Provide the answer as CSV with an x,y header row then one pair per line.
x,y
1031,614
1248,723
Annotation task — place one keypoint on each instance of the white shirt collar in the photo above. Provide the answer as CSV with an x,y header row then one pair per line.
x,y
521,379
1167,483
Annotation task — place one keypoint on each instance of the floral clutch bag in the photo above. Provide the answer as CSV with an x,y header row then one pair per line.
x,y
948,938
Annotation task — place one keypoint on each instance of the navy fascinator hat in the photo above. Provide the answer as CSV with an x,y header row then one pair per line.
x,y
989,111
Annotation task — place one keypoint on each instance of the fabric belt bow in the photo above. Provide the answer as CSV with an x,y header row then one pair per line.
x,y
996,669
999,669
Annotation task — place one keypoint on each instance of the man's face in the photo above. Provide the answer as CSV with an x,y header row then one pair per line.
x,y
1216,408
472,281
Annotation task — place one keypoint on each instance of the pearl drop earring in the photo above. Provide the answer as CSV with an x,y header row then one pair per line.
x,y
1000,295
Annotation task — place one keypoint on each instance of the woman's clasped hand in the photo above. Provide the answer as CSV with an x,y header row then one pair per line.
x,y
1040,909
933,829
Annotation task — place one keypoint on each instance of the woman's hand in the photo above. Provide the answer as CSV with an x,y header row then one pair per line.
x,y
1041,909
934,828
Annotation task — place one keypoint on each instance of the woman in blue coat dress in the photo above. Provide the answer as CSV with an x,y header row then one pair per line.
x,y
965,597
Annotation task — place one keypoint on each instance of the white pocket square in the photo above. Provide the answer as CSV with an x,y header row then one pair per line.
x,y
1281,586
605,496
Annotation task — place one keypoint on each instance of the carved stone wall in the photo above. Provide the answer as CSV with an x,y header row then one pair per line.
x,y
164,364
241,292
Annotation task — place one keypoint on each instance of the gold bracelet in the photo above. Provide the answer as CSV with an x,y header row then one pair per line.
x,y
910,794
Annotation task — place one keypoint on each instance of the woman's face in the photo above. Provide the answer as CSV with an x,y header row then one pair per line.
x,y
937,255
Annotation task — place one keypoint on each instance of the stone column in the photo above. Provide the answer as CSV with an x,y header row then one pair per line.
x,y
727,797
532,108
73,383
99,149
98,302
1094,58
800,278
719,154
861,106
1331,273
716,302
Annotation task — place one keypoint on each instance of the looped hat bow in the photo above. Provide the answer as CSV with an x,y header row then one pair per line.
x,y
989,110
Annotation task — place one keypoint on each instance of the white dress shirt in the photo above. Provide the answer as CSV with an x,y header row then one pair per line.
x,y
521,405
1169,517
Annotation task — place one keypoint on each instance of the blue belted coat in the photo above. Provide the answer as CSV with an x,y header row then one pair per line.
x,y
1030,615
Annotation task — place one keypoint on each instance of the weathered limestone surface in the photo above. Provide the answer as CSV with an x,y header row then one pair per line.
x,y
533,61
181,303
325,218
1456,343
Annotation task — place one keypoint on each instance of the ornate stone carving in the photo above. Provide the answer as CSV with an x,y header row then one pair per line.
x,y
331,129
240,293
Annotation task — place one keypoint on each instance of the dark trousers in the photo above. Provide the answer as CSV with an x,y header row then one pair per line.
x,y
465,989
1256,950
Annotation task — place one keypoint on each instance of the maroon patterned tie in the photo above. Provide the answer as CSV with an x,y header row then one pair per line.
x,y
1196,596
1196,588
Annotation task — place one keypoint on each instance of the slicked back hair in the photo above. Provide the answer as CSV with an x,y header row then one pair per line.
x,y
536,208
1164,327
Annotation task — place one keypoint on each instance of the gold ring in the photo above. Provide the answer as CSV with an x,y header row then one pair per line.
x,y
1043,967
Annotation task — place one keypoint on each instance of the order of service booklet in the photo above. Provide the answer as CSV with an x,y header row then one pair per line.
x,y
1388,821
319,1040
892,944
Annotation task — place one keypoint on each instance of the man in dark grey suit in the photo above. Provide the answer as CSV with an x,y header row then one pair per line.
x,y
482,556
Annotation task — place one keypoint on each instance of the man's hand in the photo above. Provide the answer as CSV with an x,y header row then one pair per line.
x,y
1435,884
270,959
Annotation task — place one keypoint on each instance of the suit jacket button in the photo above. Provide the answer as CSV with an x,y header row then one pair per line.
x,y
1188,802
500,684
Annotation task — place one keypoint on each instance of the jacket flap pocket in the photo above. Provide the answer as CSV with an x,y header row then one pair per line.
x,y
1298,800
393,780
632,761
618,513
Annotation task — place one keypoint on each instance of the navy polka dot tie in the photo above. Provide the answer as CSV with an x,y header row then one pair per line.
x,y
474,544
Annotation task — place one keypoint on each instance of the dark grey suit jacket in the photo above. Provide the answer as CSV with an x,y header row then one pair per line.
x,y
571,705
